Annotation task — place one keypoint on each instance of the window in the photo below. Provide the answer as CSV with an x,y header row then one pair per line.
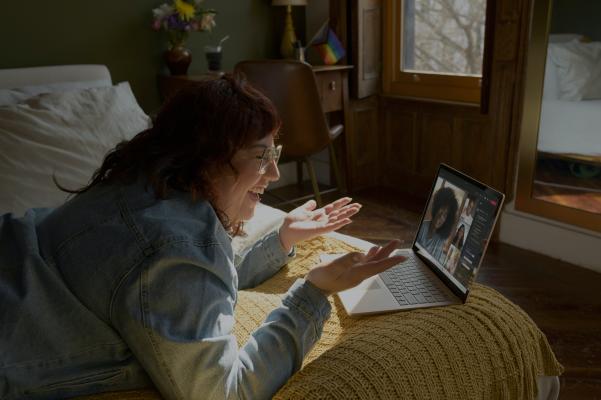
x,y
434,48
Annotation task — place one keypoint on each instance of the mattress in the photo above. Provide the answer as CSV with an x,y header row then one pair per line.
x,y
570,127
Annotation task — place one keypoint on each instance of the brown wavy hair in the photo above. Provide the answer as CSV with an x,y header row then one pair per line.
x,y
197,130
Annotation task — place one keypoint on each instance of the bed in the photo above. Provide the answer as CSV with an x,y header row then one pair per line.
x,y
582,119
570,122
486,349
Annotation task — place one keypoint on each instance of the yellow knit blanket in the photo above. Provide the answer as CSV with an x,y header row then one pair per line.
x,y
487,348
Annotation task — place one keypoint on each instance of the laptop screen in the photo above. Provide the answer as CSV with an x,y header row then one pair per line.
x,y
456,225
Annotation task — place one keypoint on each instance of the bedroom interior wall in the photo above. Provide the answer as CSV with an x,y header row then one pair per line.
x,y
118,34
555,239
577,16
552,238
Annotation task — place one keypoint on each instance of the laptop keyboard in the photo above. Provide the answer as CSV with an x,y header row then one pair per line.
x,y
410,285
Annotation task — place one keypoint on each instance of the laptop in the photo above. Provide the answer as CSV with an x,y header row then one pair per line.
x,y
446,254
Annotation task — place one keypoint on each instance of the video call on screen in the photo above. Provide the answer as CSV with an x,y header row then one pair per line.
x,y
458,220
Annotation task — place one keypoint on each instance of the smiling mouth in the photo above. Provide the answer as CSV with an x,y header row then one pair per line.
x,y
256,193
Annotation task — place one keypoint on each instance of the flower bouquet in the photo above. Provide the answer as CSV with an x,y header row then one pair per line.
x,y
178,18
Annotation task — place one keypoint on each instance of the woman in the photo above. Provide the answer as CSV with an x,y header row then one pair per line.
x,y
455,249
133,283
467,216
459,237
434,233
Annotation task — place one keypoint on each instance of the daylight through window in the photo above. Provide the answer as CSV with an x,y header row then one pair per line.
x,y
435,48
443,36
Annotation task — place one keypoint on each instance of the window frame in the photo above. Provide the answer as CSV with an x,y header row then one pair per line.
x,y
440,87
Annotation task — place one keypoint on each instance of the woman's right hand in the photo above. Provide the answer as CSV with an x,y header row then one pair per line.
x,y
351,269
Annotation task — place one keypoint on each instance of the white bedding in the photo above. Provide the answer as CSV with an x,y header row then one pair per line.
x,y
54,75
64,134
570,127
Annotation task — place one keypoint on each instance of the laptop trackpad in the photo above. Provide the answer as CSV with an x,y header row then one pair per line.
x,y
374,285
368,297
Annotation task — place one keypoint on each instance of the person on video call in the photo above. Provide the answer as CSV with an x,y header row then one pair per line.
x,y
455,249
133,282
435,232
467,215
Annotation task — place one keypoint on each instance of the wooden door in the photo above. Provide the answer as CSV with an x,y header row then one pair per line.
x,y
366,47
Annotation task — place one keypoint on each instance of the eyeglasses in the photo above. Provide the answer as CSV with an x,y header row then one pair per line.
x,y
269,154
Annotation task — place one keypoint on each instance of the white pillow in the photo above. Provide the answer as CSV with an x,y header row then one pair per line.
x,y
578,69
66,133
19,95
564,37
551,82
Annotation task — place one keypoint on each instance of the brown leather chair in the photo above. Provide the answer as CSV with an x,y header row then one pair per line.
x,y
292,88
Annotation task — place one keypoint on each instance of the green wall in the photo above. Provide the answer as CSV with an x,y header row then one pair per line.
x,y
117,33
577,16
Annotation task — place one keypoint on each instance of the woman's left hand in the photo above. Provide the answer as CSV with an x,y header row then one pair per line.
x,y
305,222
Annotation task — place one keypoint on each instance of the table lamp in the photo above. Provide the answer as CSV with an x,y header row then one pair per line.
x,y
289,38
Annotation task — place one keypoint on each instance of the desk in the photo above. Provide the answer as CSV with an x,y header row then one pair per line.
x,y
332,85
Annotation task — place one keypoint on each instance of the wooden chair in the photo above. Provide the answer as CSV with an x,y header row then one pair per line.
x,y
292,88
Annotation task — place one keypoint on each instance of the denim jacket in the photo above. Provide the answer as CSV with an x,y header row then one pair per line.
x,y
117,290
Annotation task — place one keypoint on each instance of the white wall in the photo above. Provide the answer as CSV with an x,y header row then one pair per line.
x,y
554,239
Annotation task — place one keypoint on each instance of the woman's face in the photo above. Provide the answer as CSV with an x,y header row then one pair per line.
x,y
441,217
470,207
238,195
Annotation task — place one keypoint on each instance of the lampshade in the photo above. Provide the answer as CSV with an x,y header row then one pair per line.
x,y
288,2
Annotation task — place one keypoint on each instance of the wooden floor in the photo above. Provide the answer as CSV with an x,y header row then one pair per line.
x,y
556,184
563,300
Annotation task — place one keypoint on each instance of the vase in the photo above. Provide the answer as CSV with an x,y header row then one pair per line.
x,y
178,59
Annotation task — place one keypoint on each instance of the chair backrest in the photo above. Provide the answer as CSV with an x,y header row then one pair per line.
x,y
292,88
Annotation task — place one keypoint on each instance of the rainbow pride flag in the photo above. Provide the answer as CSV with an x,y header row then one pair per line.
x,y
328,45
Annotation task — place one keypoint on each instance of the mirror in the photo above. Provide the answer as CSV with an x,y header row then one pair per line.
x,y
559,174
